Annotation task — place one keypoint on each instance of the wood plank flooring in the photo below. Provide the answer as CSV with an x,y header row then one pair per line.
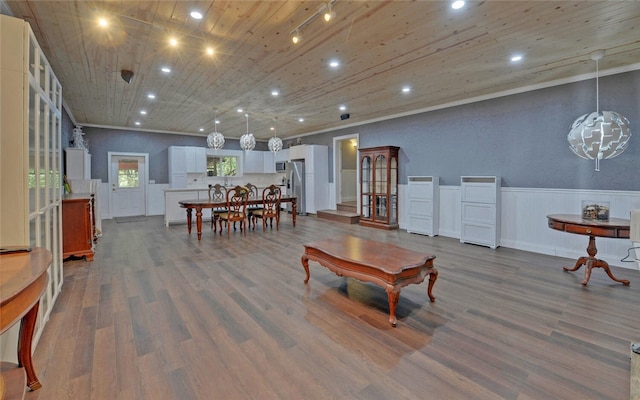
x,y
161,315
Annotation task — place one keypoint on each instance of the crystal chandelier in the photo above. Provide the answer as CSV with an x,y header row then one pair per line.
x,y
247,141
275,143
599,135
215,140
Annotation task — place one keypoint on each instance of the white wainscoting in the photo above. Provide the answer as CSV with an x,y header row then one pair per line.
x,y
155,199
524,222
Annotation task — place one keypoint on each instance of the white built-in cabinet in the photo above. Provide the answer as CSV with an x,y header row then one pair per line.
x,y
185,160
196,162
30,160
268,163
282,155
78,163
423,205
480,210
253,162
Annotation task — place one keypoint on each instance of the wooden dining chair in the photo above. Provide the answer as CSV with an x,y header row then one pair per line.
x,y
217,193
270,208
253,195
236,210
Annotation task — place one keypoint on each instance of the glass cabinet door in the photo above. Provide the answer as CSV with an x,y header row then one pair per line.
x,y
366,180
381,188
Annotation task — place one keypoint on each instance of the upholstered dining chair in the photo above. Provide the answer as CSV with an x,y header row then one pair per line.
x,y
236,210
270,207
217,193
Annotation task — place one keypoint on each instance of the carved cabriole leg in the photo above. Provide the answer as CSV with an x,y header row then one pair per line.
x,y
27,328
581,261
432,280
305,264
604,265
393,293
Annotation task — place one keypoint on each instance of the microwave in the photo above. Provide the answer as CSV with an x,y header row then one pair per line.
x,y
281,166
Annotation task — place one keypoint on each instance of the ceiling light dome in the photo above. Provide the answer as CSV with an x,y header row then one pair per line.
x,y
215,140
247,141
275,143
601,134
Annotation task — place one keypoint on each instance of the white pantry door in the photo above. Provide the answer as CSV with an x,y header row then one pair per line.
x,y
127,181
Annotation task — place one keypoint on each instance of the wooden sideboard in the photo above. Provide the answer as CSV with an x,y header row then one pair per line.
x,y
78,226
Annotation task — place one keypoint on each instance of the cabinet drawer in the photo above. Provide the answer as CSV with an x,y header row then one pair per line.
x,y
478,212
420,207
479,193
478,234
591,230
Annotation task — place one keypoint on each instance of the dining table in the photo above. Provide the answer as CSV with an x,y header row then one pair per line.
x,y
198,205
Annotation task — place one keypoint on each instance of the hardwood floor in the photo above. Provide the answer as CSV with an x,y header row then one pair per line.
x,y
161,315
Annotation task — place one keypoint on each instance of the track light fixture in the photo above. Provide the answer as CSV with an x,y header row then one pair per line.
x,y
296,37
329,13
326,10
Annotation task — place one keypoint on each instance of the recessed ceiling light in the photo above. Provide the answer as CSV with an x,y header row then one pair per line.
x,y
300,119
275,93
166,70
342,107
173,42
196,14
240,110
406,89
216,121
516,58
103,22
137,122
334,63
458,4
201,129
143,112
210,51
151,96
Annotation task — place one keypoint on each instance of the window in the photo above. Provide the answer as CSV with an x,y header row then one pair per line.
x,y
222,166
128,175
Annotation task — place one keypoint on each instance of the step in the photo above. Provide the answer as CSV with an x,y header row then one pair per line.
x,y
344,217
348,207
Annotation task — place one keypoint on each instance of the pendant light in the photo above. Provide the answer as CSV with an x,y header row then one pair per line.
x,y
275,143
247,141
599,135
215,139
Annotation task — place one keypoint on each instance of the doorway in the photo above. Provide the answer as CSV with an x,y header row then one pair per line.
x,y
128,183
345,169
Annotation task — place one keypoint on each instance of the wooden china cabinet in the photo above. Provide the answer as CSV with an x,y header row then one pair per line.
x,y
379,187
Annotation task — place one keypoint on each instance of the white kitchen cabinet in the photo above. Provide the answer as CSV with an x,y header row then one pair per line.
x,y
316,159
196,160
30,160
282,155
78,163
253,162
268,163
423,205
177,167
480,210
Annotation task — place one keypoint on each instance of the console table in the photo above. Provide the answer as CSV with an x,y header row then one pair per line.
x,y
22,282
384,264
616,228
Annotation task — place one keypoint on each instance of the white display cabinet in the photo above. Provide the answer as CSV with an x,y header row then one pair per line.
x,y
78,163
423,205
30,159
480,210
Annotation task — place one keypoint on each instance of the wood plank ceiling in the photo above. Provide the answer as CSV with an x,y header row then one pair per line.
x,y
444,55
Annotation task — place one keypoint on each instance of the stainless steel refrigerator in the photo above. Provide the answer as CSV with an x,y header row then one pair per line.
x,y
296,185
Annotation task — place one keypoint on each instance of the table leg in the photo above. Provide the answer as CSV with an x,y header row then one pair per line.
x,y
199,221
189,220
294,210
432,281
393,293
591,262
305,264
27,327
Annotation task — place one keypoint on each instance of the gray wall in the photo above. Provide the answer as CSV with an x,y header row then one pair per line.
x,y
522,138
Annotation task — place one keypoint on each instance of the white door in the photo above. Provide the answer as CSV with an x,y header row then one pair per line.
x,y
127,180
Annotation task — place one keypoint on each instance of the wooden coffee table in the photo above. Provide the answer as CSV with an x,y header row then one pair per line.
x,y
384,264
